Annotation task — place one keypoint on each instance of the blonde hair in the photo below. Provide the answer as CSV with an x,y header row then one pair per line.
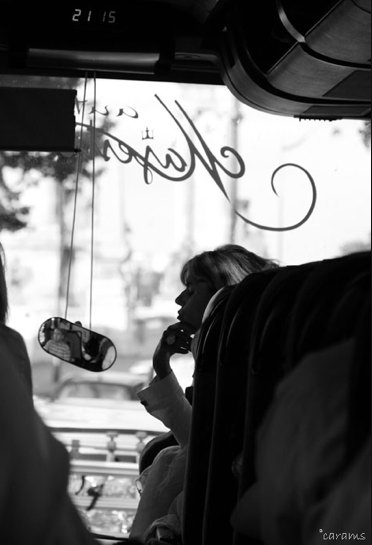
x,y
225,266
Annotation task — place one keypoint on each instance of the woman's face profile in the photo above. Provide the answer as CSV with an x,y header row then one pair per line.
x,y
193,301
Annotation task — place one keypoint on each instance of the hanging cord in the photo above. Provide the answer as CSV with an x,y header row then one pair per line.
x,y
78,170
93,197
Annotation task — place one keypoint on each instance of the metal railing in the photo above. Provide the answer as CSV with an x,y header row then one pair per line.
x,y
103,473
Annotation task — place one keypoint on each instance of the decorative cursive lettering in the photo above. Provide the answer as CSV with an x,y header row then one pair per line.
x,y
176,168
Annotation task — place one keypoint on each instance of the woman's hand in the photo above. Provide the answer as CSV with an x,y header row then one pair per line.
x,y
176,339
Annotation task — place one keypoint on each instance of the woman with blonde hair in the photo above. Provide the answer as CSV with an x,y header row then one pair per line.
x,y
203,276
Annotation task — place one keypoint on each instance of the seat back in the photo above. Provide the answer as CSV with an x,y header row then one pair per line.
x,y
267,356
346,313
311,306
359,410
227,431
153,447
316,302
202,417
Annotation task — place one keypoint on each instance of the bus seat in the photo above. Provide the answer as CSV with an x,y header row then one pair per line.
x,y
316,301
267,354
331,292
227,434
153,447
202,416
342,423
359,417
347,311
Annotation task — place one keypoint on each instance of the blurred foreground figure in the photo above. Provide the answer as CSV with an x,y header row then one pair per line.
x,y
9,337
34,505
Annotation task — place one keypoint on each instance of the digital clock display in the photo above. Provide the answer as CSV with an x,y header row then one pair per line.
x,y
94,16
89,26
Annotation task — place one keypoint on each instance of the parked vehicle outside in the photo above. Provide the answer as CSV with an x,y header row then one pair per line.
x,y
119,385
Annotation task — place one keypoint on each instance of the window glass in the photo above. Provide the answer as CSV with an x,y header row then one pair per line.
x,y
172,162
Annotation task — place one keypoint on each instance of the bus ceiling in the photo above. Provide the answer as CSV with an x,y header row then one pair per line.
x,y
298,58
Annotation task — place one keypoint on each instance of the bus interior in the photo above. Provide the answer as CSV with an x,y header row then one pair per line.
x,y
134,135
